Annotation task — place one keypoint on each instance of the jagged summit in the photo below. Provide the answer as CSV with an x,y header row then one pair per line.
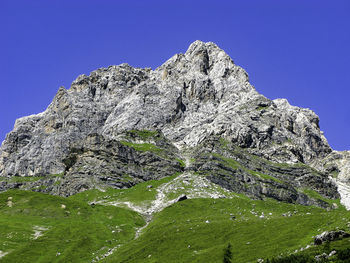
x,y
186,102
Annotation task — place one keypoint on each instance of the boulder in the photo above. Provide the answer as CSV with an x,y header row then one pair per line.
x,y
330,236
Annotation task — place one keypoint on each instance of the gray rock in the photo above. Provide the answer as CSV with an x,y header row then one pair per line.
x,y
332,253
237,170
187,101
321,257
182,198
330,236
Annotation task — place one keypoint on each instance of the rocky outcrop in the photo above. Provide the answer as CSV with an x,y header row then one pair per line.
x,y
97,162
337,166
237,170
38,143
330,236
85,132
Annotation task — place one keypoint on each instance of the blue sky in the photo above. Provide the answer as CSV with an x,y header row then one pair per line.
x,y
299,50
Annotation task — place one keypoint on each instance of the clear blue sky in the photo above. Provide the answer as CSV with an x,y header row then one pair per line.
x,y
297,49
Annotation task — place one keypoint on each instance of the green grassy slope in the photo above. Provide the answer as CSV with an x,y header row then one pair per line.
x,y
198,230
340,247
72,230
193,230
140,194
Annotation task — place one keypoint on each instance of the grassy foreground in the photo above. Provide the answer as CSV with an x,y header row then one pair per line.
x,y
198,230
36,227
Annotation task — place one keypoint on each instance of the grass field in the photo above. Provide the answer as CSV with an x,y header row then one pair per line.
x,y
36,227
198,230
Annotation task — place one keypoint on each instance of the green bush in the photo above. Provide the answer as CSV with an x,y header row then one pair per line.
x,y
344,254
228,254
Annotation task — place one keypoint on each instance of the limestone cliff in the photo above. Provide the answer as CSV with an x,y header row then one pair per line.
x,y
122,125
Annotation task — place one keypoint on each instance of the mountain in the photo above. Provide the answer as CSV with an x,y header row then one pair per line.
x,y
164,143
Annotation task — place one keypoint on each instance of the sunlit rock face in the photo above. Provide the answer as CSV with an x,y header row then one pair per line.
x,y
191,98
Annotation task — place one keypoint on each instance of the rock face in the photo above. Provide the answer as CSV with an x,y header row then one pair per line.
x,y
123,125
237,170
330,236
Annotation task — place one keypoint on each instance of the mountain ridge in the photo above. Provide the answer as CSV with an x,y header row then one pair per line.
x,y
182,104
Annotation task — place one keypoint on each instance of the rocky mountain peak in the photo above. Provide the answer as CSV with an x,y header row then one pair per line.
x,y
186,102
203,62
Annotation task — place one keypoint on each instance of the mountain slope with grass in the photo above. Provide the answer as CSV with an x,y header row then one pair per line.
x,y
183,163
95,226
